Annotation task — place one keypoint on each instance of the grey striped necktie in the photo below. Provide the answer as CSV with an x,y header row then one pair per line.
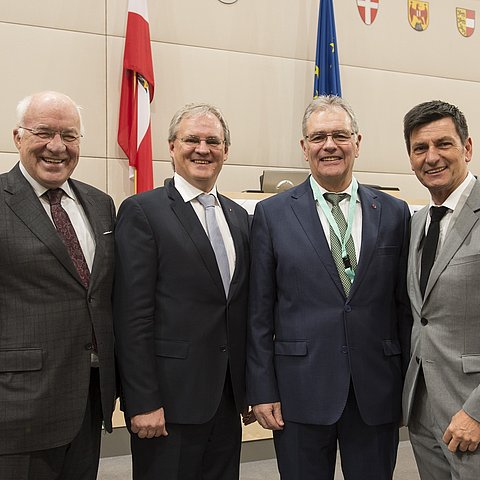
x,y
216,239
335,244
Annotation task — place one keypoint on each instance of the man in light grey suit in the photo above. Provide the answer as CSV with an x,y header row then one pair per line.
x,y
441,400
57,378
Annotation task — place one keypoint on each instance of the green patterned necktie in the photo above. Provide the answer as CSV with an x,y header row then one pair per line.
x,y
335,244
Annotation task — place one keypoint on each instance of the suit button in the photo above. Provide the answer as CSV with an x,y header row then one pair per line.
x,y
424,321
344,349
223,348
348,308
89,346
90,299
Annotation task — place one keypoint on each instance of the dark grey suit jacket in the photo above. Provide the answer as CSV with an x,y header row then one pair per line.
x,y
46,318
176,333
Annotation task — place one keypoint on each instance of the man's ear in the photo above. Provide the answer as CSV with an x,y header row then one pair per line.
x,y
17,138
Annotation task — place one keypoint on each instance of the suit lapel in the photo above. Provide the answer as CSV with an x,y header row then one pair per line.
x,y
91,212
416,237
237,237
188,218
456,235
23,202
305,209
371,214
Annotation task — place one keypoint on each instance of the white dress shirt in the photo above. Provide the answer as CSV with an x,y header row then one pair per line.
x,y
189,193
344,206
75,212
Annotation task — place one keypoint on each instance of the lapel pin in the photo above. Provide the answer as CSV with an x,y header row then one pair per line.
x,y
373,205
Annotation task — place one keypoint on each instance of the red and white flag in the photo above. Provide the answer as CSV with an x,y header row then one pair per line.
x,y
134,130
368,10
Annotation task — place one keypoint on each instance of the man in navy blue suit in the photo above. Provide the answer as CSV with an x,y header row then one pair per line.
x,y
329,318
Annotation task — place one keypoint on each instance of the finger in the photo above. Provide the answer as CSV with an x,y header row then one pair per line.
x,y
463,446
262,421
142,433
447,436
472,447
453,445
278,418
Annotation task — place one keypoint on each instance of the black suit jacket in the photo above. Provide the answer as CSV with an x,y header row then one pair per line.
x,y
46,318
176,333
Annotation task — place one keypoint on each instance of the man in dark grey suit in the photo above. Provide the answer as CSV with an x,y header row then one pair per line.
x,y
180,308
57,379
441,398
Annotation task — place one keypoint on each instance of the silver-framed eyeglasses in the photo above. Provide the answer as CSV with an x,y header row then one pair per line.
x,y
67,136
340,137
192,141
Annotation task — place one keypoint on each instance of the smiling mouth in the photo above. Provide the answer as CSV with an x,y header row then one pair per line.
x,y
330,159
201,162
433,171
53,160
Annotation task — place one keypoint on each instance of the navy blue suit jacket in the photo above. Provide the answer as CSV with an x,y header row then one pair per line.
x,y
306,341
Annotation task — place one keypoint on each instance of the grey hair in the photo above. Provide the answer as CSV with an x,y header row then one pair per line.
x,y
326,102
24,104
195,110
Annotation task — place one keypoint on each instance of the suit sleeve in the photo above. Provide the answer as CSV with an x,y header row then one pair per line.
x,y
134,307
405,318
261,379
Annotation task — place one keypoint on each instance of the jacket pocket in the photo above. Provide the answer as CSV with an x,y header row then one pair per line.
x,y
471,363
391,348
298,348
171,348
25,360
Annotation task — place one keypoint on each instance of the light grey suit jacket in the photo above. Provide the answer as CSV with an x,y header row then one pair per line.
x,y
446,329
46,319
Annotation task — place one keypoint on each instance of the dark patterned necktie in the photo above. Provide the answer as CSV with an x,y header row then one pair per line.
x,y
430,245
335,244
67,234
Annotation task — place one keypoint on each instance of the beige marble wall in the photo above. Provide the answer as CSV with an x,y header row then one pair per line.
x,y
255,61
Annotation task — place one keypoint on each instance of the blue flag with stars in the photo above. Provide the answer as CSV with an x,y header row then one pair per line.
x,y
327,72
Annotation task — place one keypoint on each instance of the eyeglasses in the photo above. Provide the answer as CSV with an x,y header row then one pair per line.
x,y
192,141
340,138
48,134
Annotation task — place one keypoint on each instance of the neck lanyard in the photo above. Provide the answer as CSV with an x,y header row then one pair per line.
x,y
333,224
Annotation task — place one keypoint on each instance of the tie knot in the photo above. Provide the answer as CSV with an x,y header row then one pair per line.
x,y
437,213
335,198
55,196
207,200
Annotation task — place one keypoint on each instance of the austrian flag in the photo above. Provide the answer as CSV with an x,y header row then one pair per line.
x,y
368,10
134,130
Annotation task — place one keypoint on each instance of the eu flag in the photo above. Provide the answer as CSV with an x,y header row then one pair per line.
x,y
327,72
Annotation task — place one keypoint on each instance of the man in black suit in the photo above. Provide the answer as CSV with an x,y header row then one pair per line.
x,y
57,378
180,308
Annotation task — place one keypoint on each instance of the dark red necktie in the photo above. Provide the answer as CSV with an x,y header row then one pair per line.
x,y
67,234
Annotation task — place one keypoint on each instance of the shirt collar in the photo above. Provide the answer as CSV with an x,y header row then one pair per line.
x,y
188,192
348,190
452,201
40,189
